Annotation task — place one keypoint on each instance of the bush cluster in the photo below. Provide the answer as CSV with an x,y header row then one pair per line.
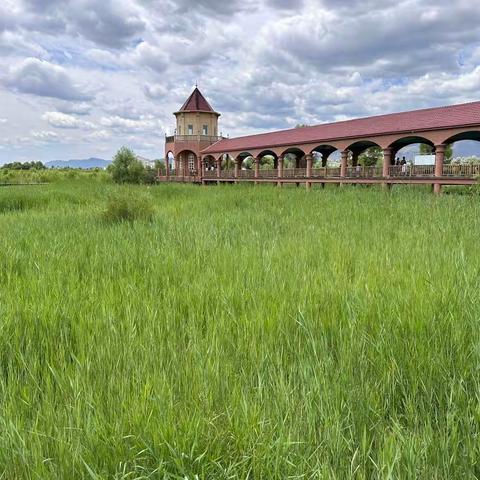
x,y
128,207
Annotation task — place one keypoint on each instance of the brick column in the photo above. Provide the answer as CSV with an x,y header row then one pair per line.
x,y
343,164
218,164
309,159
167,168
279,169
387,161
237,161
439,159
257,168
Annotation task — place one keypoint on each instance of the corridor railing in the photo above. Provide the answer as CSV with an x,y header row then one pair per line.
x,y
394,171
455,170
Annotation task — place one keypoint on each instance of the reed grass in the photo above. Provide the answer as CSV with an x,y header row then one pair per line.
x,y
258,333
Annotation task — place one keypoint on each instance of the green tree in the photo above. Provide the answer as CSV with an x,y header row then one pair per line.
x,y
371,156
267,162
126,168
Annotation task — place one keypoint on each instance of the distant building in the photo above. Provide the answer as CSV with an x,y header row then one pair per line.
x,y
146,162
424,160
196,129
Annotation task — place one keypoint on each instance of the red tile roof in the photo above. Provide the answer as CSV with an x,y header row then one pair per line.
x,y
428,119
196,102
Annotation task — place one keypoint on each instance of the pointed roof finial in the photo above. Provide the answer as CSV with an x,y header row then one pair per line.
x,y
196,102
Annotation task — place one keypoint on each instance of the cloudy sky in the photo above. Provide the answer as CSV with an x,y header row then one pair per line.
x,y
81,78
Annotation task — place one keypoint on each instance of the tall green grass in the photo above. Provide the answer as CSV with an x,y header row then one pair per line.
x,y
257,333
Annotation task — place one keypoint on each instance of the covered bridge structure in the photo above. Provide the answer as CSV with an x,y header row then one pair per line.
x,y
436,127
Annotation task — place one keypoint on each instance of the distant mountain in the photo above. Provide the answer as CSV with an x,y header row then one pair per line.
x,y
85,163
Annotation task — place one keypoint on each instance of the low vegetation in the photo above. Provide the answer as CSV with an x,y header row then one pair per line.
x,y
243,332
128,207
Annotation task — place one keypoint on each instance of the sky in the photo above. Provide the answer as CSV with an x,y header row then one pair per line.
x,y
82,78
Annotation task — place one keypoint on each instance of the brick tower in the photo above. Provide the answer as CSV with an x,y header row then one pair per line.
x,y
196,129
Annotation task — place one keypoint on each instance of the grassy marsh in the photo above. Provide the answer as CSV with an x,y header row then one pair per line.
x,y
242,333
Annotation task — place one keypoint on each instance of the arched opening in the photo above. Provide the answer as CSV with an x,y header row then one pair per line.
x,y
246,165
245,161
462,154
294,158
268,160
209,163
227,163
412,156
323,154
187,162
365,159
170,162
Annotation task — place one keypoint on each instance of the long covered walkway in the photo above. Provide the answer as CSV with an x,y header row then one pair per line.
x,y
307,150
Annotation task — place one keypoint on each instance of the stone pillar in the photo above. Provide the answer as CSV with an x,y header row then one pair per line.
x,y
257,168
439,159
343,164
279,169
309,159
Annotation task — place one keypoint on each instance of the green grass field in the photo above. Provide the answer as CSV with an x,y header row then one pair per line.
x,y
244,332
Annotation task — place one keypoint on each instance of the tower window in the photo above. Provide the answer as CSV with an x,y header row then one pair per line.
x,y
205,130
190,129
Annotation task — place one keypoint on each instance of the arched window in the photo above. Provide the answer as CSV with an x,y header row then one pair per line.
x,y
191,161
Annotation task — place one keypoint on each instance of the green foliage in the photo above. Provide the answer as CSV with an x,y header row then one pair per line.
x,y
267,162
52,175
128,207
248,163
126,168
371,156
24,166
150,175
243,333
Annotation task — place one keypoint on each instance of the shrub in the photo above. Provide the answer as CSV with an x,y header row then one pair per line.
x,y
123,207
126,168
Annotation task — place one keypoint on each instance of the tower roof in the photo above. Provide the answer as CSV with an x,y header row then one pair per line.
x,y
196,102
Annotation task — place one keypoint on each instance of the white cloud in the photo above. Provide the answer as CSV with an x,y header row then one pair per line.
x,y
63,120
114,71
45,79
128,123
45,136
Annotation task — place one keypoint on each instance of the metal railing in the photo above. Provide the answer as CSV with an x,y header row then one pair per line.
x,y
192,138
